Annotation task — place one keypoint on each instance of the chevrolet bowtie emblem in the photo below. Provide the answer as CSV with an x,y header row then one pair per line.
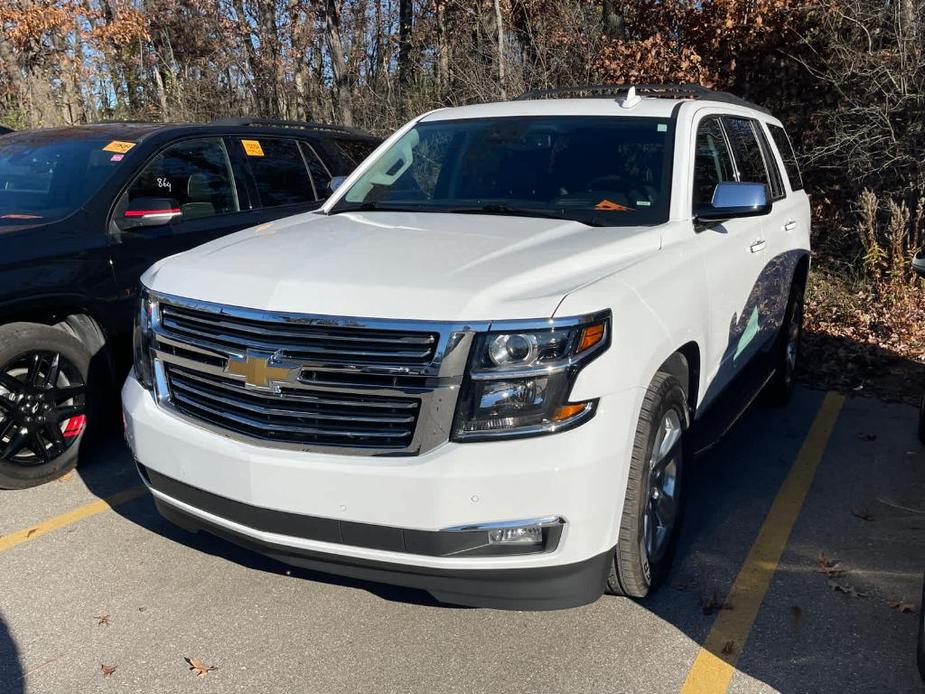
x,y
257,371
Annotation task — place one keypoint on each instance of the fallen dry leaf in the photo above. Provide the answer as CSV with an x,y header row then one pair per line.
x,y
32,531
900,606
199,667
862,514
711,604
830,567
729,648
846,589
104,620
66,477
107,670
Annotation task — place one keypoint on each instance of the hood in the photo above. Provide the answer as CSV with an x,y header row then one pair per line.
x,y
402,265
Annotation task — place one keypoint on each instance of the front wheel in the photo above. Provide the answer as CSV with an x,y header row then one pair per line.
x,y
653,501
44,403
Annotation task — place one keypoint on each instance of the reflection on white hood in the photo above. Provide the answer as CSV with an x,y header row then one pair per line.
x,y
424,266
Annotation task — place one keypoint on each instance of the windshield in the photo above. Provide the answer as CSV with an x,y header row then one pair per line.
x,y
44,176
604,171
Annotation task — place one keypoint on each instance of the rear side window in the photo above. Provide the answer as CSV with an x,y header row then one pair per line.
x,y
746,150
787,154
354,151
194,173
777,183
320,174
712,161
279,171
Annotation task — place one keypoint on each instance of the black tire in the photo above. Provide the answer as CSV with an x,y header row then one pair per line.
x,y
779,389
68,404
638,565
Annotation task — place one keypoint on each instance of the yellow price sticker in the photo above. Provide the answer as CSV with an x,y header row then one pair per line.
x,y
252,148
118,147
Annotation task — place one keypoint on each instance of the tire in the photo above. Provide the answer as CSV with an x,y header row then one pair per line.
x,y
44,387
778,390
642,559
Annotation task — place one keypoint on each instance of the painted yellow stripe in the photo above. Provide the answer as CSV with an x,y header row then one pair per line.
x,y
72,516
712,669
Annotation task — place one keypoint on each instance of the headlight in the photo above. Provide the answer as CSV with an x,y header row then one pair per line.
x,y
519,381
141,338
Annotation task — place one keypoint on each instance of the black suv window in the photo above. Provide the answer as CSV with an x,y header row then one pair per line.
x,y
748,156
712,161
196,174
354,150
279,171
786,153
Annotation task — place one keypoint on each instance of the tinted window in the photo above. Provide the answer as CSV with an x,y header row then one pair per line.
x,y
777,183
746,150
599,170
45,176
786,153
279,171
712,161
354,150
195,173
320,174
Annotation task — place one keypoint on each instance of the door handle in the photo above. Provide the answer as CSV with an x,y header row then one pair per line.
x,y
758,246
790,226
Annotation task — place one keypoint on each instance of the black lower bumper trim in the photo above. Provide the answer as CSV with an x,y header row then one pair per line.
x,y
432,543
543,588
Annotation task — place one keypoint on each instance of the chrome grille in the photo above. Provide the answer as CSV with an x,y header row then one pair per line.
x,y
326,383
310,340
294,416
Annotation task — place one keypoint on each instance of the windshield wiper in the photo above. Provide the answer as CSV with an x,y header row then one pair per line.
x,y
507,210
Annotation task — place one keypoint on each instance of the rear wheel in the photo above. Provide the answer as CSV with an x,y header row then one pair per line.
x,y
653,502
44,403
779,388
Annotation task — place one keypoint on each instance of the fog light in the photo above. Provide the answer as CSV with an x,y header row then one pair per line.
x,y
530,535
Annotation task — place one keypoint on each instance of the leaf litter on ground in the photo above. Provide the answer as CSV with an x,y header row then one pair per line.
x,y
832,568
199,667
845,588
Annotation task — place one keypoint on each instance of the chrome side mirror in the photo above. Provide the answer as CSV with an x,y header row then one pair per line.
x,y
734,200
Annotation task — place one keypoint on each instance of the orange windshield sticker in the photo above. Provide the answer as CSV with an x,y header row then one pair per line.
x,y
118,147
252,148
610,205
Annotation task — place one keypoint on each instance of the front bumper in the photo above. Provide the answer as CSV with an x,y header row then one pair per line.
x,y
578,475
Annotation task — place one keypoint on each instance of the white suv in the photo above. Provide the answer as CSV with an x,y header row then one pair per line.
x,y
482,368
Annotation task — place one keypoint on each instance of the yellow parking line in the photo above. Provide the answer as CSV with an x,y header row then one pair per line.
x,y
72,516
714,666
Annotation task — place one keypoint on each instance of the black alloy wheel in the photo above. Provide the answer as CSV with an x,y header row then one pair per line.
x,y
42,408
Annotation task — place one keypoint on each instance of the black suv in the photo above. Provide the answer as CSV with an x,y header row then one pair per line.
x,y
83,212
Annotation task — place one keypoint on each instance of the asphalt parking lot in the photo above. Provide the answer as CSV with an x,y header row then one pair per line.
x,y
86,584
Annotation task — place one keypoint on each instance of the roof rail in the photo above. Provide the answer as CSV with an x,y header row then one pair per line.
x,y
248,121
657,91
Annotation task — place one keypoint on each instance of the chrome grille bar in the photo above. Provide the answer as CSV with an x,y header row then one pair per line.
x,y
326,383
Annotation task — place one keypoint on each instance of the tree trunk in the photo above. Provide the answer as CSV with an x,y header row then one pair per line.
x,y
342,94
405,19
443,48
613,21
500,26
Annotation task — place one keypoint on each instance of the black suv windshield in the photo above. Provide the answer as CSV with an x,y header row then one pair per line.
x,y
604,171
45,175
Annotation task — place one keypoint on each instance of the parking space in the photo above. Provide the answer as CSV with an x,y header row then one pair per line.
x,y
120,587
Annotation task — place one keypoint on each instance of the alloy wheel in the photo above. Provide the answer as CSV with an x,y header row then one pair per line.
x,y
42,407
661,508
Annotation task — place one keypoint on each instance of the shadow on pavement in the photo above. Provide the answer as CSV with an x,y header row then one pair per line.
x,y
11,674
